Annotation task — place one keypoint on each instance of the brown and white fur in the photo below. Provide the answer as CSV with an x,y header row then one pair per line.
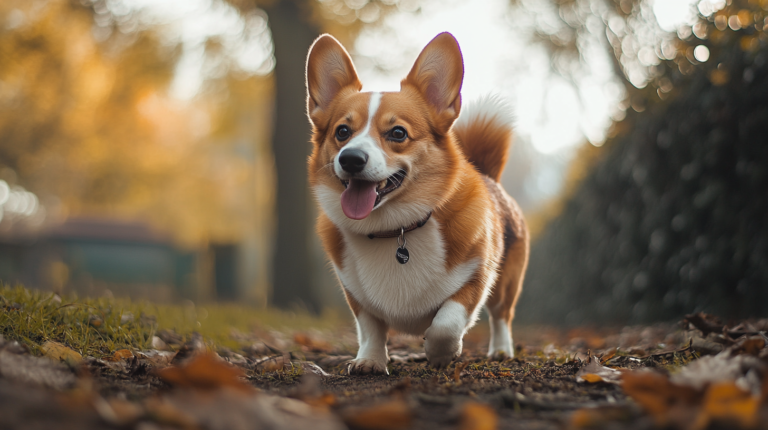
x,y
473,251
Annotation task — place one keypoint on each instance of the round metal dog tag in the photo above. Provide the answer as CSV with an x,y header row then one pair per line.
x,y
402,255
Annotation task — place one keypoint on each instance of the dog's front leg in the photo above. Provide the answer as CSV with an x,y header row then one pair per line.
x,y
372,337
444,338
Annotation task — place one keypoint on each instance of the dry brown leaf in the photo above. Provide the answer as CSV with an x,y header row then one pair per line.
x,y
61,352
594,372
705,323
205,372
728,404
476,416
119,355
665,401
390,415
311,343
750,346
458,369
609,355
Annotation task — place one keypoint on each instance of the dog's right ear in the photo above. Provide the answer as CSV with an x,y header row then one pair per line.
x,y
329,70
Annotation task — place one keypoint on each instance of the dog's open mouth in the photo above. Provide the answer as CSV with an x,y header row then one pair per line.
x,y
360,197
386,186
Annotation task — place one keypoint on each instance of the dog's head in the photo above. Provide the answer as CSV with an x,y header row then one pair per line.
x,y
383,160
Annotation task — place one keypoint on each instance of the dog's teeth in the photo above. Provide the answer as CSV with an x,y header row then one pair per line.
x,y
382,184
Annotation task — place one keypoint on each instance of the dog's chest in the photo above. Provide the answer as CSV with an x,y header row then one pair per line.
x,y
403,295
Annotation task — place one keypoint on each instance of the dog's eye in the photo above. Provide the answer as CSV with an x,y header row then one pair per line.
x,y
398,134
342,133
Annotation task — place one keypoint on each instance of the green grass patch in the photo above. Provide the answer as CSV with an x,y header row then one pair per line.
x,y
99,326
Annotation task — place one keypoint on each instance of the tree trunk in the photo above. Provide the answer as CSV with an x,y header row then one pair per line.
x,y
292,34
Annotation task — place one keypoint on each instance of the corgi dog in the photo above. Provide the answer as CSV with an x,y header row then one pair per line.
x,y
413,219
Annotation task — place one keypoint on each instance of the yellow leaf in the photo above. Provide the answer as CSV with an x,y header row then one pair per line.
x,y
476,416
726,403
592,378
61,352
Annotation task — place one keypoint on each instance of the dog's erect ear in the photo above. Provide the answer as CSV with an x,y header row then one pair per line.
x,y
329,70
437,74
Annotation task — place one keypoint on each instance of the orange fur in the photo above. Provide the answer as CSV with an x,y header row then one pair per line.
x,y
486,144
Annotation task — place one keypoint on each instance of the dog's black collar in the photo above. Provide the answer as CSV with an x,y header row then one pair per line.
x,y
399,231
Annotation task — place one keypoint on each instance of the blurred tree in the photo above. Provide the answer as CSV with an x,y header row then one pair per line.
x,y
295,24
86,123
670,217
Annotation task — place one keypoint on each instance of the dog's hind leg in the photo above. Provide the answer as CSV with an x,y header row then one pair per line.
x,y
501,303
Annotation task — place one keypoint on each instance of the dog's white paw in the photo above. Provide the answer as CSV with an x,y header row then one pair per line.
x,y
500,355
367,366
441,350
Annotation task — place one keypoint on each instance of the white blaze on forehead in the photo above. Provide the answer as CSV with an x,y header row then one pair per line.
x,y
373,107
376,168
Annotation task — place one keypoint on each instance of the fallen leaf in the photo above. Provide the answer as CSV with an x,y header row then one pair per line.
x,y
750,346
458,369
310,343
728,404
229,409
393,414
61,352
705,323
609,355
119,355
476,416
591,378
666,402
194,347
594,372
598,417
205,372
722,367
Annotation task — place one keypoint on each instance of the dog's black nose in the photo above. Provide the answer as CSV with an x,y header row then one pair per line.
x,y
353,160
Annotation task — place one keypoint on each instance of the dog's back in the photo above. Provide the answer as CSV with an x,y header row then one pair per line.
x,y
484,132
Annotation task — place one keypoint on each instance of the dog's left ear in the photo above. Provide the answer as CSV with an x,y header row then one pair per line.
x,y
329,71
437,75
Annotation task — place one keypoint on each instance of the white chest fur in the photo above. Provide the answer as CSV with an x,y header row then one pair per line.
x,y
405,296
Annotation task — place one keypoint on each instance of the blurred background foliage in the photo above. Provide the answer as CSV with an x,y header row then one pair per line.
x,y
670,217
662,213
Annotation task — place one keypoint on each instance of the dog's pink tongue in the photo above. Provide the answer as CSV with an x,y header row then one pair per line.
x,y
358,199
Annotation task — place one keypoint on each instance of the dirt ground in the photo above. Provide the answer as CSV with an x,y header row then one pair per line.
x,y
662,376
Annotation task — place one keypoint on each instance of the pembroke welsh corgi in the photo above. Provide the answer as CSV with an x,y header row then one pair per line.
x,y
413,218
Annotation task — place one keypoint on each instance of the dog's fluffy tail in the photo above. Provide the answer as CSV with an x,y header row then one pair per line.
x,y
484,131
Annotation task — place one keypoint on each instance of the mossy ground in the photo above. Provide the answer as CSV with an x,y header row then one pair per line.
x,y
99,326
